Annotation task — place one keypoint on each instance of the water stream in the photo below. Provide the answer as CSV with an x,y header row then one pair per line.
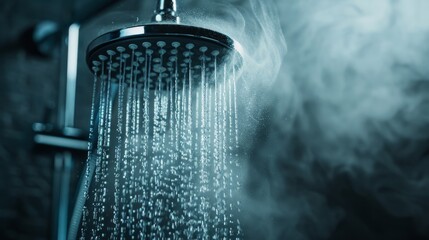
x,y
165,146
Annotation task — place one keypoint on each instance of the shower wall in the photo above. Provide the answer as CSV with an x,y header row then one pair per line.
x,y
28,88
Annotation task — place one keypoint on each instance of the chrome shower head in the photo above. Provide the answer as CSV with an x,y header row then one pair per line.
x,y
161,53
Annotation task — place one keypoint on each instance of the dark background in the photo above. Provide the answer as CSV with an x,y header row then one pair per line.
x,y
336,147
29,93
28,87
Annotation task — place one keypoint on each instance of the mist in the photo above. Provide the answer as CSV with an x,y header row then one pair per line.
x,y
334,127
334,118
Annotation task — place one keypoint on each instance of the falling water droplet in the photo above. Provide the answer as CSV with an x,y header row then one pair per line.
x,y
165,138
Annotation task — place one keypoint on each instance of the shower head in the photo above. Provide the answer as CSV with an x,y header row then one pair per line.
x,y
161,53
165,129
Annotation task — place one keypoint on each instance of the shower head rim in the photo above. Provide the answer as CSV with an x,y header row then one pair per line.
x,y
160,30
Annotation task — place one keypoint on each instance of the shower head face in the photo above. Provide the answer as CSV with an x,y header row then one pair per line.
x,y
160,55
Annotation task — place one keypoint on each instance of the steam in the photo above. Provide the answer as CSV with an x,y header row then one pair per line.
x,y
356,118
338,141
335,133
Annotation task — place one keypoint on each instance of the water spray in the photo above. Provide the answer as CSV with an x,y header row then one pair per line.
x,y
164,134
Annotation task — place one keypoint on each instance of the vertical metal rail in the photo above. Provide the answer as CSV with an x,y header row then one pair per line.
x,y
63,163
63,135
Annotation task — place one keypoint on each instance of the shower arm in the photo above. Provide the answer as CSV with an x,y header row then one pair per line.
x,y
166,11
